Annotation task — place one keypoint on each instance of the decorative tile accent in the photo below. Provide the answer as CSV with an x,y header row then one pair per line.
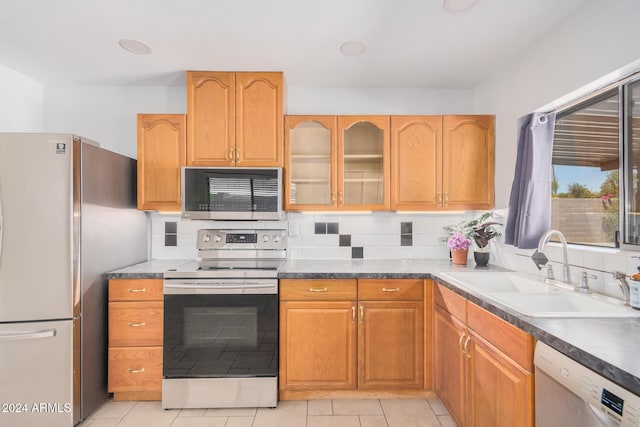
x,y
171,233
332,228
406,240
321,228
170,240
345,240
357,252
171,227
406,227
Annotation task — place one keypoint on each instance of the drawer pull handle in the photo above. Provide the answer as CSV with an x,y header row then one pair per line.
x,y
362,314
353,314
390,289
466,343
135,371
460,343
318,289
136,325
134,291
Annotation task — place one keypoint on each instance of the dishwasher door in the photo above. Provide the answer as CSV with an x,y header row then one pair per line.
x,y
556,406
569,394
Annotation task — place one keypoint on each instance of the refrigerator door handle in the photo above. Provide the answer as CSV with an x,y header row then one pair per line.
x,y
45,333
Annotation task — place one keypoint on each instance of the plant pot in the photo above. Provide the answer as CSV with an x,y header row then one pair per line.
x,y
459,257
481,258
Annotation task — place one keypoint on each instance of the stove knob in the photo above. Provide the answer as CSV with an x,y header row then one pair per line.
x,y
206,238
276,238
265,238
217,238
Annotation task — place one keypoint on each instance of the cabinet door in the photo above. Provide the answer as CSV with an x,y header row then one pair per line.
x,y
210,118
500,392
390,345
310,155
161,154
449,363
416,162
363,162
468,162
317,345
259,119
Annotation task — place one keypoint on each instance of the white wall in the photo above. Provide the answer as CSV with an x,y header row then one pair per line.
x,y
600,37
598,40
312,100
21,102
107,114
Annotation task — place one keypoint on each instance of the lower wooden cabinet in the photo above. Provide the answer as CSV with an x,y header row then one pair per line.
x,y
318,345
483,366
135,339
351,335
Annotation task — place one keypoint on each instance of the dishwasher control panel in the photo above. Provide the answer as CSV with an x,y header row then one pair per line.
x,y
617,403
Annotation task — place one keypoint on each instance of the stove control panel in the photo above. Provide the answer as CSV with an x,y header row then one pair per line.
x,y
241,239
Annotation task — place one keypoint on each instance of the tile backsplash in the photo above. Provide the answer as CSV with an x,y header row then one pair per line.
x,y
377,235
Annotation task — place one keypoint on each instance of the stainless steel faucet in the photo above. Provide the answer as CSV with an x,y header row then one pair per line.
x,y
540,259
622,280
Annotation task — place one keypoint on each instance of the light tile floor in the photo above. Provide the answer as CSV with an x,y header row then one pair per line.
x,y
302,413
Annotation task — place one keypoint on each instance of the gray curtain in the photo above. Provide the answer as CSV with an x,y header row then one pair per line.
x,y
530,202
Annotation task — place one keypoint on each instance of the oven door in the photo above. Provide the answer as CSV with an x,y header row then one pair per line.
x,y
220,328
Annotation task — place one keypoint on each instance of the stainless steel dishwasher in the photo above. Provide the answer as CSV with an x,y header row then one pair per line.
x,y
570,395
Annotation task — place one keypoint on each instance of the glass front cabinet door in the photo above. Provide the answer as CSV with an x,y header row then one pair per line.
x,y
363,162
310,144
337,162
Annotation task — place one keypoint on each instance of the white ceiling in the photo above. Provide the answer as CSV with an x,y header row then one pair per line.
x,y
411,43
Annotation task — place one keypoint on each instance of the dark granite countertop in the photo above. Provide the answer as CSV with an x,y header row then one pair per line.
x,y
608,346
153,269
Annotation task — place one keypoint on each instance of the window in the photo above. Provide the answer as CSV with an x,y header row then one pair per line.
x,y
596,165
584,189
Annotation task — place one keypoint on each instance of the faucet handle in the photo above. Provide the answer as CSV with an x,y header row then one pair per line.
x,y
550,274
584,281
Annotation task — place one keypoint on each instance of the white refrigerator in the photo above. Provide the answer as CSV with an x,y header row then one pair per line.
x,y
67,216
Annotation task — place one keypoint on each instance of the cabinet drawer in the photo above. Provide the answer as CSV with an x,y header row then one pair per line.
x,y
135,323
135,290
135,369
451,302
390,290
510,340
318,290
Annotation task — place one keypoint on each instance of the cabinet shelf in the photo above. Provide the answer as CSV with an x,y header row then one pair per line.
x,y
310,180
311,156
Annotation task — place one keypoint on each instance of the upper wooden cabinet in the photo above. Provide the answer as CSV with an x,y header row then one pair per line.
x,y
468,162
416,162
442,162
337,162
311,167
161,154
235,119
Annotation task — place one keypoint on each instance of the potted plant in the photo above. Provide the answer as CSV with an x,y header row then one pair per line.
x,y
459,245
480,231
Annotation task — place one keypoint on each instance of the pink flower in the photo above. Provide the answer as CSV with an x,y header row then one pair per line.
x,y
458,242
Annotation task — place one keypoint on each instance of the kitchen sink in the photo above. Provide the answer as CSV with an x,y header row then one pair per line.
x,y
499,281
532,296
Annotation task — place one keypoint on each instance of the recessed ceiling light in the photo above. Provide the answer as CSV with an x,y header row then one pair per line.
x,y
457,6
135,46
353,48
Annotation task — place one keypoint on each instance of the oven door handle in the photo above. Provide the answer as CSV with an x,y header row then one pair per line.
x,y
220,285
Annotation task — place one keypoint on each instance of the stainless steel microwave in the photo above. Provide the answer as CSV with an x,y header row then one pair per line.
x,y
233,193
